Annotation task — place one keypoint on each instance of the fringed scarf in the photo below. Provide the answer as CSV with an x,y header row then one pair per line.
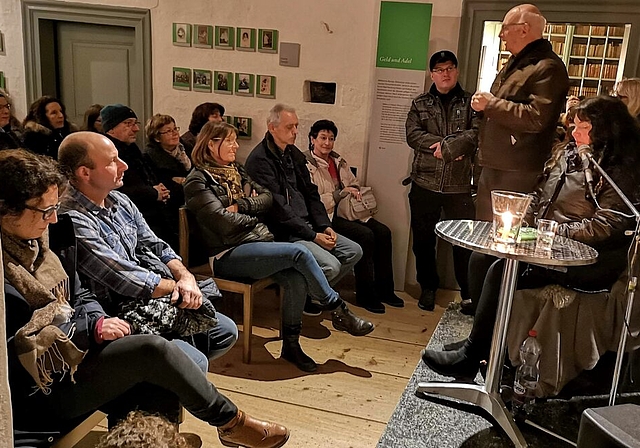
x,y
36,273
229,177
181,156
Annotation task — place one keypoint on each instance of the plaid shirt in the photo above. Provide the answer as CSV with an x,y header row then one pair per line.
x,y
107,241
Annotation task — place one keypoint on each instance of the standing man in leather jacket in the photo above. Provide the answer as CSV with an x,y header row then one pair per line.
x,y
520,114
442,129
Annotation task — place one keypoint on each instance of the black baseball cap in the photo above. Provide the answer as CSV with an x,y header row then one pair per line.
x,y
442,56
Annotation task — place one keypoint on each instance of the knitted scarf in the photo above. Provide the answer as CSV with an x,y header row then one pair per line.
x,y
181,156
229,177
37,274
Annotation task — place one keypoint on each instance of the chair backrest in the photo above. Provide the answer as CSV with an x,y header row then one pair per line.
x,y
190,247
183,235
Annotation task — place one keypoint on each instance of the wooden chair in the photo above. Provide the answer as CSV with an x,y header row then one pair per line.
x,y
79,432
248,288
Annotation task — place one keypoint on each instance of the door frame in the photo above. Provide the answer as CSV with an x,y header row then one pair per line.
x,y
34,11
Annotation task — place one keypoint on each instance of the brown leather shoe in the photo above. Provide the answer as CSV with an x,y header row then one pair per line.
x,y
246,431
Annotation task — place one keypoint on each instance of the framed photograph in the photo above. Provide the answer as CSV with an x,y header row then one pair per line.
x,y
203,36
225,37
245,83
246,39
223,82
202,80
182,34
266,87
181,78
268,41
243,124
228,119
3,84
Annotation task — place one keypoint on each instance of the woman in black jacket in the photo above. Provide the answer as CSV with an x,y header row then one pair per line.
x,y
46,125
603,127
60,340
228,206
10,128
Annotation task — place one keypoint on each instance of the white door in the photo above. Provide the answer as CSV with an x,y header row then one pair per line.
x,y
97,65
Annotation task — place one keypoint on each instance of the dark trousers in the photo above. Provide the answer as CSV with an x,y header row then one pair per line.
x,y
121,366
490,179
426,209
374,271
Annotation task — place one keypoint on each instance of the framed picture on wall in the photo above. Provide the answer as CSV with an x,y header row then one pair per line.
x,y
266,86
243,124
228,119
225,37
201,80
203,36
244,84
223,82
181,78
268,41
246,39
182,34
2,82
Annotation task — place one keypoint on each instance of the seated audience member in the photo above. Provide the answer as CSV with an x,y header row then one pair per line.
x,y
121,259
166,156
140,430
45,126
10,128
228,206
66,357
92,121
201,115
335,181
628,90
141,183
612,134
298,215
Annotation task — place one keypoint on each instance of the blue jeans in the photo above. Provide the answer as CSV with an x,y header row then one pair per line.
x,y
337,262
214,343
291,265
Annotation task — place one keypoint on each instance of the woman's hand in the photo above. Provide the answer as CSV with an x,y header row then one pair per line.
x,y
178,180
353,191
115,328
233,208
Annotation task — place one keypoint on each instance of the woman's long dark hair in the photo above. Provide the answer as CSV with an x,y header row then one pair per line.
x,y
615,140
38,111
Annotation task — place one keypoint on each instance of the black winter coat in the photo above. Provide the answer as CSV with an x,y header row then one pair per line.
x,y
42,140
220,229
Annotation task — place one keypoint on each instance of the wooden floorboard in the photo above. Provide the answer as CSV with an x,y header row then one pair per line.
x,y
349,400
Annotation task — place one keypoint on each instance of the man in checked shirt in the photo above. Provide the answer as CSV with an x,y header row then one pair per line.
x,y
111,233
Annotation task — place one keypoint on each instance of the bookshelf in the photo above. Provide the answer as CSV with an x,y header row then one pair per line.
x,y
593,53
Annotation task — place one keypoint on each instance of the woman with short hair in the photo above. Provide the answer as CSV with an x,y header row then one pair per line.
x,y
92,120
201,115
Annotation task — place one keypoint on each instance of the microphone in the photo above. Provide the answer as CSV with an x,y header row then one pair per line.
x,y
585,152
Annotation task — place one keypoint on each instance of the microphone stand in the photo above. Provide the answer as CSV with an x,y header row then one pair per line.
x,y
632,281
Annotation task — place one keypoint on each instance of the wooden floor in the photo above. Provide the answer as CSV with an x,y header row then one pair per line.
x,y
348,401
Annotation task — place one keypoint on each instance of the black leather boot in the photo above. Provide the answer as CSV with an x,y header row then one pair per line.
x,y
292,352
343,319
460,364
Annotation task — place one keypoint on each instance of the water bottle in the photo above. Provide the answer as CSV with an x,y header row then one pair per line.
x,y
527,375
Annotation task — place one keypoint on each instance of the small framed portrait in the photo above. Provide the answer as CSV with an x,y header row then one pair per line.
x,y
202,80
266,86
246,39
181,78
203,36
243,124
228,119
245,84
3,83
182,34
268,41
225,37
223,82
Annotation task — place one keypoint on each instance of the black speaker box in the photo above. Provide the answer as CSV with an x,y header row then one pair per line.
x,y
610,427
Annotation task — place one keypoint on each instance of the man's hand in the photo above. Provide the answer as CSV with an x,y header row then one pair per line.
x,y
437,150
233,208
188,289
327,239
479,100
114,328
163,192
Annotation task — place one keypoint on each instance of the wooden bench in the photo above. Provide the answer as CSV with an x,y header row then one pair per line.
x,y
248,288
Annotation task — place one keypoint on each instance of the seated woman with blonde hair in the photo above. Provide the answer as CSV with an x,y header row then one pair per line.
x,y
628,90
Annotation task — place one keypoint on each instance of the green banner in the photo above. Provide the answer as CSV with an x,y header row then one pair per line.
x,y
403,35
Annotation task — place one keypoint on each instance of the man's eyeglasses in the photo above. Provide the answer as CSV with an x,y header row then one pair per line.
x,y
175,130
131,123
440,71
5,106
46,212
506,26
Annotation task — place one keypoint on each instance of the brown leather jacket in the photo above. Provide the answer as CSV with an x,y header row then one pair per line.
x,y
518,125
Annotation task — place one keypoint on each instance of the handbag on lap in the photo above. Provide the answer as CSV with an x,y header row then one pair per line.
x,y
353,209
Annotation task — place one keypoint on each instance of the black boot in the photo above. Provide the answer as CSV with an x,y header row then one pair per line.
x,y
453,346
460,364
427,300
344,320
292,352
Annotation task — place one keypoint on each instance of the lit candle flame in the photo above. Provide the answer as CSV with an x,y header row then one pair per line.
x,y
507,220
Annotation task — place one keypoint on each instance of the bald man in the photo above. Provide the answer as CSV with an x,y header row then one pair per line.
x,y
521,111
114,241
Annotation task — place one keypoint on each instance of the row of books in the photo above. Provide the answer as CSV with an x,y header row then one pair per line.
x,y
599,30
